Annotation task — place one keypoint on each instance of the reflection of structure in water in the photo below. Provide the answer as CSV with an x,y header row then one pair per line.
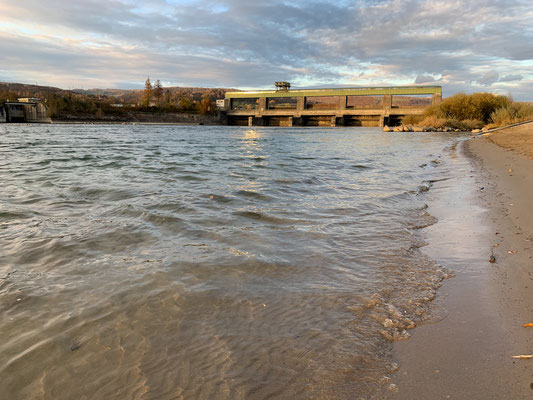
x,y
24,110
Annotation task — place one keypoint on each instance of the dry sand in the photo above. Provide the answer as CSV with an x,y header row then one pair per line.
x,y
519,139
465,352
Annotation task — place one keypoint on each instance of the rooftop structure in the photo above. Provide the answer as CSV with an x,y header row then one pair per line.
x,y
282,86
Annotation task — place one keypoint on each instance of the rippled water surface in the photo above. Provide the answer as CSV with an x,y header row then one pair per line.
x,y
153,262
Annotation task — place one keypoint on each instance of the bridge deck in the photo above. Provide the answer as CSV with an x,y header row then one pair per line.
x,y
369,91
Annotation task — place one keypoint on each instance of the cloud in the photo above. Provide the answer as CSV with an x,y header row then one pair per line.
x,y
424,79
511,78
489,78
242,43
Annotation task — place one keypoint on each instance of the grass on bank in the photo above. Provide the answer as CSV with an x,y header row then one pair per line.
x,y
475,111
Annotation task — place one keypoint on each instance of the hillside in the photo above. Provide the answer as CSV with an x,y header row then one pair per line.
x,y
10,91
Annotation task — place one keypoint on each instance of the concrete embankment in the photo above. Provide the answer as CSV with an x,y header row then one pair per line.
x,y
140,117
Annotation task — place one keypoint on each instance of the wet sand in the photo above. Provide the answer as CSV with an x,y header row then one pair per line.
x,y
465,352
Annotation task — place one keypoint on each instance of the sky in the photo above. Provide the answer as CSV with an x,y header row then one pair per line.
x,y
470,46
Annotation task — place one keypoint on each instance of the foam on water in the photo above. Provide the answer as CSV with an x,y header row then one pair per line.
x,y
211,262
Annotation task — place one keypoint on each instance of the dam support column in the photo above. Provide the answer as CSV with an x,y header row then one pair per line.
x,y
387,106
387,101
437,99
333,122
301,103
263,104
250,121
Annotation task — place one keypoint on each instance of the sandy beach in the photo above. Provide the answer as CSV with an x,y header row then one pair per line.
x,y
466,351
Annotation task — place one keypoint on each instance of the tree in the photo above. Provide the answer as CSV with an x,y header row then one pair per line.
x,y
147,96
158,92
206,105
185,103
100,113
167,98
8,96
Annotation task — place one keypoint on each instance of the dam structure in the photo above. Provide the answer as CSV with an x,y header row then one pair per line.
x,y
25,110
364,106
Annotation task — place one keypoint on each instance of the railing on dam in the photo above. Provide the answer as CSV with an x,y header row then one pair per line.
x,y
370,106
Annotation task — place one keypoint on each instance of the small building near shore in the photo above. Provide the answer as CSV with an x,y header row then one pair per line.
x,y
24,110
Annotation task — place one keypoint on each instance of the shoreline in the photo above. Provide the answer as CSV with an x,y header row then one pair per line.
x,y
464,351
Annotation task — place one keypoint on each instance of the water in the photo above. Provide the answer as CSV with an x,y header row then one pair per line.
x,y
159,262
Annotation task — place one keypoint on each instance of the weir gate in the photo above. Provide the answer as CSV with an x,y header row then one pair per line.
x,y
371,106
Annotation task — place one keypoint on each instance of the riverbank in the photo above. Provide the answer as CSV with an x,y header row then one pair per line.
x,y
127,123
465,352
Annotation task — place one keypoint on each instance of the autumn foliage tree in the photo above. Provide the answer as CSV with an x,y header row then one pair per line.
x,y
158,92
185,103
147,95
8,96
206,105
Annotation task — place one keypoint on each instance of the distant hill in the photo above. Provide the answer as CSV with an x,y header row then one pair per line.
x,y
25,90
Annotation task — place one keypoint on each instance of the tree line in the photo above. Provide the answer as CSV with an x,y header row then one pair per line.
x,y
156,96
